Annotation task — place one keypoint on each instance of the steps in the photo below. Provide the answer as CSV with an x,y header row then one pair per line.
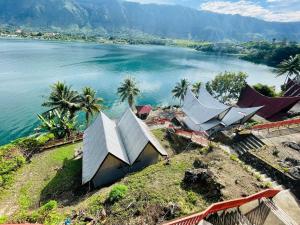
x,y
246,143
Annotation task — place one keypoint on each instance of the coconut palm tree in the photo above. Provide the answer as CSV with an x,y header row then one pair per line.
x,y
128,91
63,98
180,89
90,103
196,88
290,67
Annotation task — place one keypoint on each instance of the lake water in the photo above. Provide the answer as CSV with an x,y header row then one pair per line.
x,y
27,68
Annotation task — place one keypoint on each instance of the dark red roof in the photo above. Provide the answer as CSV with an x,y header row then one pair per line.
x,y
143,109
273,107
292,88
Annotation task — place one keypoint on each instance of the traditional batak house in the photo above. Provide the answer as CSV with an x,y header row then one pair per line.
x,y
113,149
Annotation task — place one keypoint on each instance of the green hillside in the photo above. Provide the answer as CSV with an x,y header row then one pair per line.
x,y
48,189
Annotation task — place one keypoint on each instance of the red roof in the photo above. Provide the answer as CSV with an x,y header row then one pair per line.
x,y
143,109
273,107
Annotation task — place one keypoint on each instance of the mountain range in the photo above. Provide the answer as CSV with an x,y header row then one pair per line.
x,y
116,16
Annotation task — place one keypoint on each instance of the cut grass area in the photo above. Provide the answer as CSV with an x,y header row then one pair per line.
x,y
47,176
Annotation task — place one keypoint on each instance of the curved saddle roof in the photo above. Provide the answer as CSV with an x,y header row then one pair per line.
x,y
249,97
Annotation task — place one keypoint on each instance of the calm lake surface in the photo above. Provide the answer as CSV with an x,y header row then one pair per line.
x,y
27,68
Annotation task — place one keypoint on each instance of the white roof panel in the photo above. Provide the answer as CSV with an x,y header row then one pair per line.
x,y
136,135
199,112
206,99
99,139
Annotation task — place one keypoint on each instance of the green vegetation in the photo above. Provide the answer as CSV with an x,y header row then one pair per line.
x,y
63,98
290,67
117,192
180,89
51,175
90,103
196,88
267,53
128,91
227,86
64,103
59,124
265,90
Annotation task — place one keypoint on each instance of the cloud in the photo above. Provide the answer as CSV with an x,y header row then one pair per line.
x,y
248,8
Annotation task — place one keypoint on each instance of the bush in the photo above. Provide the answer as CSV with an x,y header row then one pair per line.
x,y
265,90
3,219
44,138
117,192
192,197
234,157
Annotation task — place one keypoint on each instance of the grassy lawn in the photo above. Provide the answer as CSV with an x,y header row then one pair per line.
x,y
47,176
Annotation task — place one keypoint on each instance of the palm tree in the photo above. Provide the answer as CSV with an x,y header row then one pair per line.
x,y
128,91
90,103
63,98
180,89
196,88
60,124
290,66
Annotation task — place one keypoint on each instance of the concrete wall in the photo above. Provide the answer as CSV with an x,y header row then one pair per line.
x,y
111,170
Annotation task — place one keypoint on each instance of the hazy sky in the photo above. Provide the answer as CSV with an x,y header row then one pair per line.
x,y
271,10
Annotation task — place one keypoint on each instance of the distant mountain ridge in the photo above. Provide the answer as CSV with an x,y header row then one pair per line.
x,y
112,16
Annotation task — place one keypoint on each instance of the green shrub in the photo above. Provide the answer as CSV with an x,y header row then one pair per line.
x,y
192,197
48,206
44,138
234,157
3,219
117,192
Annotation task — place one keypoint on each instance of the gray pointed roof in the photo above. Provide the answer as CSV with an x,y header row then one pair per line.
x,y
125,140
206,112
239,115
136,135
205,98
100,139
201,112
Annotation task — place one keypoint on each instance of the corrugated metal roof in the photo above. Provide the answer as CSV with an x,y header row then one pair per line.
x,y
136,135
100,139
199,112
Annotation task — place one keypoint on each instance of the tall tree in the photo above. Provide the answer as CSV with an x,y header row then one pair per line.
x,y
196,88
63,98
128,91
180,89
290,67
90,103
227,86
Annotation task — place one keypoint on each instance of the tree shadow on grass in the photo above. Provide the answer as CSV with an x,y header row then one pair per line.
x,y
66,186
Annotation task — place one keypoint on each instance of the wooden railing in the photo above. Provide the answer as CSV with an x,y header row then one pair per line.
x,y
284,123
220,206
